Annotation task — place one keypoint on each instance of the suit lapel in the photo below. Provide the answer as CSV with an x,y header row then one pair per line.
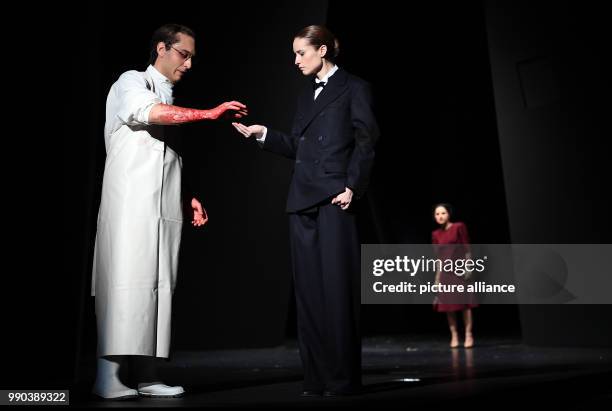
x,y
335,87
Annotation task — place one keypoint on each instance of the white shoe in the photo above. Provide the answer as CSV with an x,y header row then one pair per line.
x,y
159,390
108,386
126,394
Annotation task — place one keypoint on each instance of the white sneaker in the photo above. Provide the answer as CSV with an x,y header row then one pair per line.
x,y
159,390
126,394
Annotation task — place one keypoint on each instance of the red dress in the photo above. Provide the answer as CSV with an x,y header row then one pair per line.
x,y
455,234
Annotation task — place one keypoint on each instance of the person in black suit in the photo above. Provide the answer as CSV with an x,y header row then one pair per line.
x,y
332,142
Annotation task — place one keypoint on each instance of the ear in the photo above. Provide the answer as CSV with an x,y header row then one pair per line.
x,y
323,51
161,49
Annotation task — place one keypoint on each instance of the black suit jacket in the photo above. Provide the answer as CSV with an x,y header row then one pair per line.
x,y
332,141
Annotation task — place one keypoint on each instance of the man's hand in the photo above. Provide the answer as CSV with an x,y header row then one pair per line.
x,y
344,199
199,215
226,109
249,131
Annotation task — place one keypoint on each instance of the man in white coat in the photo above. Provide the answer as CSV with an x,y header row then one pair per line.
x,y
141,216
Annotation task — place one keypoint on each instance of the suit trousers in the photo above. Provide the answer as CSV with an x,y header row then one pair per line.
x,y
325,252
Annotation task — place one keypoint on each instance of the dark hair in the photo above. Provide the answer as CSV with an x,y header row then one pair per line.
x,y
168,34
318,36
447,206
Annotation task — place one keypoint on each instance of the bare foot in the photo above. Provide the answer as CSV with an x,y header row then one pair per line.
x,y
454,341
469,341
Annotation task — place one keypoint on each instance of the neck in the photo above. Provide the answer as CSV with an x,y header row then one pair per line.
x,y
158,67
447,225
325,68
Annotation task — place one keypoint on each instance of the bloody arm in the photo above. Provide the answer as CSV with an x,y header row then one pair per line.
x,y
166,114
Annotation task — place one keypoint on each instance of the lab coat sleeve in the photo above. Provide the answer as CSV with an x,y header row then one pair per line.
x,y
136,99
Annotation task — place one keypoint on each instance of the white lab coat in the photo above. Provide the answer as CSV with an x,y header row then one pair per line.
x,y
139,222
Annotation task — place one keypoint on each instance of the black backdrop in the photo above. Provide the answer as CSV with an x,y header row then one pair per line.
x,y
431,70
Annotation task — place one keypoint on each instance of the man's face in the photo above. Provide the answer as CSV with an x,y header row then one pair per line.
x,y
176,61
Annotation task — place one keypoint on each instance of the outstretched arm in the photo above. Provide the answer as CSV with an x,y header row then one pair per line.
x,y
166,114
271,140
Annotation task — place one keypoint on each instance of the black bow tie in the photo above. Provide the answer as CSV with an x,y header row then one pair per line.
x,y
316,85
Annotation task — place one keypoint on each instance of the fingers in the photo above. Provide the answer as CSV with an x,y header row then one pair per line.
x,y
240,110
238,114
241,113
242,129
199,220
341,201
235,105
200,216
248,131
239,104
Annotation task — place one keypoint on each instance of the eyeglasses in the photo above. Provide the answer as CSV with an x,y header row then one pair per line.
x,y
184,54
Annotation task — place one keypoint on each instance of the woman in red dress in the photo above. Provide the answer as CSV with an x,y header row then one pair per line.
x,y
455,234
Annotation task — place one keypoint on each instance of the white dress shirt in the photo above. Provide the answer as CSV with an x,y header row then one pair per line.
x,y
131,99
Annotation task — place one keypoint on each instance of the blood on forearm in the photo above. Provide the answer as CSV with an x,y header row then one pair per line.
x,y
166,114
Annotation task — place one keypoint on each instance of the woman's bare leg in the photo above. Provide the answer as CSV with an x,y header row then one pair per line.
x,y
452,325
468,321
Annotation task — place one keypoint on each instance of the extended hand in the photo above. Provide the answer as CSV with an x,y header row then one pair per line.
x,y
236,108
200,216
249,131
344,199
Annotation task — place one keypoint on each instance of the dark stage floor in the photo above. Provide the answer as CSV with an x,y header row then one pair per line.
x,y
400,371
